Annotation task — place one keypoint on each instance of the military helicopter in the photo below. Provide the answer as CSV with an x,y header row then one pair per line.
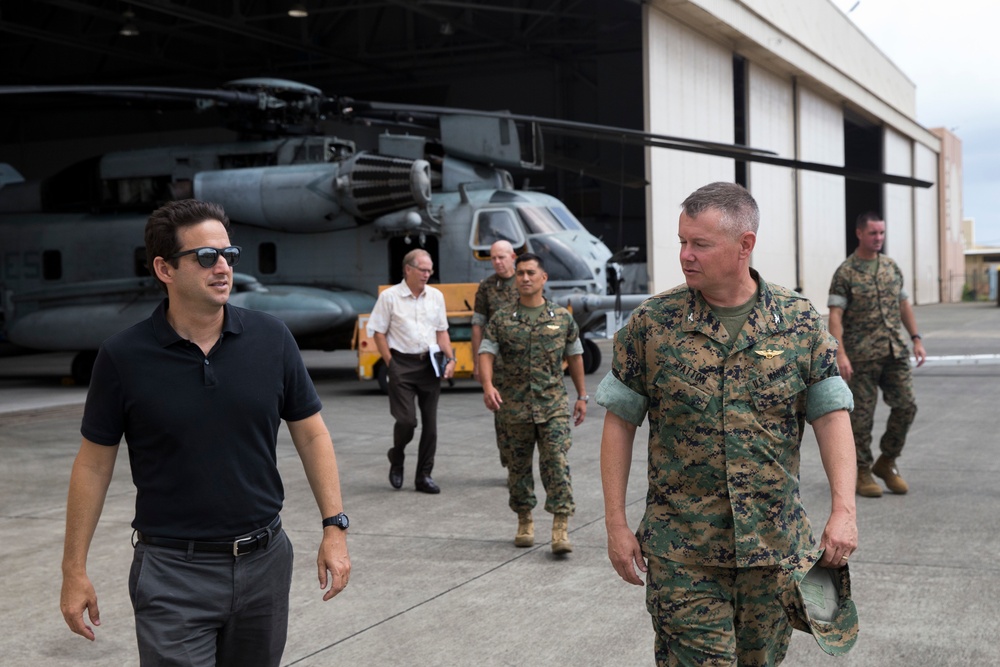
x,y
321,223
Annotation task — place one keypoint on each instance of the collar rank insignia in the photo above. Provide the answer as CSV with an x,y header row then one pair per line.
x,y
777,318
691,317
768,354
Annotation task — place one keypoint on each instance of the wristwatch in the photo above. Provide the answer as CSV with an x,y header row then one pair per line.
x,y
915,337
340,521
585,398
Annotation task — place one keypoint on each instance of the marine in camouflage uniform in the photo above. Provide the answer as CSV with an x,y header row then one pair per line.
x,y
494,293
533,406
868,309
727,410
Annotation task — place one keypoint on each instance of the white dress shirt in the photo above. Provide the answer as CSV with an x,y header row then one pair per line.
x,y
410,323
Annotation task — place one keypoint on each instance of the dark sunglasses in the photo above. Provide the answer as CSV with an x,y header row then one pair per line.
x,y
207,257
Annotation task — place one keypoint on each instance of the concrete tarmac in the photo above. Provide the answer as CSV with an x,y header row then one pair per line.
x,y
436,579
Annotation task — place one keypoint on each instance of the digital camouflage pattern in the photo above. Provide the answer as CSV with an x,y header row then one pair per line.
x,y
554,440
692,608
871,308
799,596
896,380
535,406
533,373
493,294
879,355
726,420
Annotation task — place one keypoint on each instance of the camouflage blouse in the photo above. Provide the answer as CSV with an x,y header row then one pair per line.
x,y
871,308
533,390
726,420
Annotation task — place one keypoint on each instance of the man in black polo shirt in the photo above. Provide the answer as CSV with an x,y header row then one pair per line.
x,y
199,391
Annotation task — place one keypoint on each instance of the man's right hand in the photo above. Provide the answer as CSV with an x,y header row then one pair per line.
x,y
78,595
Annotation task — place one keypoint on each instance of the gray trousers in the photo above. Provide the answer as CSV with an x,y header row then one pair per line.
x,y
413,380
203,609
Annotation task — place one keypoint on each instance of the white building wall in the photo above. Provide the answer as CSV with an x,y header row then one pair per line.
x,y
927,288
689,89
771,123
898,210
821,196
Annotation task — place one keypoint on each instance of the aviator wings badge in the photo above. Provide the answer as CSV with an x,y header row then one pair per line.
x,y
768,354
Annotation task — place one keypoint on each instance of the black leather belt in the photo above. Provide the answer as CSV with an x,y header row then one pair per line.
x,y
406,355
240,546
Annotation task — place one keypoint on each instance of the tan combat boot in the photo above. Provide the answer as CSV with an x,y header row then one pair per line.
x,y
560,534
867,486
525,530
886,469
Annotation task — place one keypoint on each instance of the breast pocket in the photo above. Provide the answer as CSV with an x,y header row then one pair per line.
x,y
777,391
678,395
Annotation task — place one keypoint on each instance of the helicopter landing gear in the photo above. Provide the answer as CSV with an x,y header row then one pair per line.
x,y
83,367
381,372
591,356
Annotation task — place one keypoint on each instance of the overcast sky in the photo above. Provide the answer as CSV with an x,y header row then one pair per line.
x,y
949,51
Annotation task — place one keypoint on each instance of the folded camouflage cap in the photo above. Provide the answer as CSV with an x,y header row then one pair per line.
x,y
818,601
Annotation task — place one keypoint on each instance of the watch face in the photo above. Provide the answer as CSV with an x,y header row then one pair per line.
x,y
340,521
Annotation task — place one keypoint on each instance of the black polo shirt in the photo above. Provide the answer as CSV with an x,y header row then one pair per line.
x,y
201,431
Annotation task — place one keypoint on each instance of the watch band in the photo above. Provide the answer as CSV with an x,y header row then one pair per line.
x,y
339,520
585,398
916,337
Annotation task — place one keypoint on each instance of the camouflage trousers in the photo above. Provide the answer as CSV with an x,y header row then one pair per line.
x,y
894,378
716,616
554,440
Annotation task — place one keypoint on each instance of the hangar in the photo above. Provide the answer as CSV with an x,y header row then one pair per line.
x,y
792,76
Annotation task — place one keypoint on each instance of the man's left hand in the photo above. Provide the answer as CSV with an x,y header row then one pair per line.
x,y
919,353
449,370
840,540
579,412
333,562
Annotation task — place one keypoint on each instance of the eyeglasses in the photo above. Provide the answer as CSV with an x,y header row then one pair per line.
x,y
207,257
429,272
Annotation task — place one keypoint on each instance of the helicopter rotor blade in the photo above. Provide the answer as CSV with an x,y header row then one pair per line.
x,y
387,111
263,96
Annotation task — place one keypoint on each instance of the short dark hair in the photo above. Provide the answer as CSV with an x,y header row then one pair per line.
x,y
163,223
865,218
739,209
530,257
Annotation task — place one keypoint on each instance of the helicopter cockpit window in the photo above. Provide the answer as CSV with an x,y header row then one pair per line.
x,y
492,225
561,262
541,220
567,219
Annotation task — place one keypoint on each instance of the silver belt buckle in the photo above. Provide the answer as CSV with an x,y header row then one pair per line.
x,y
236,545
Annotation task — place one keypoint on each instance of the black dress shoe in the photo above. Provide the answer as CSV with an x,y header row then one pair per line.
x,y
395,473
427,485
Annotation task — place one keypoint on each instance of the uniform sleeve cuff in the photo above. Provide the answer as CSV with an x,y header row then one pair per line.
x,y
837,301
619,399
576,347
489,346
828,395
479,320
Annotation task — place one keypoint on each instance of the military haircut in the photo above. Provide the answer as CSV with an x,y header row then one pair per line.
x,y
161,228
866,217
739,210
530,257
